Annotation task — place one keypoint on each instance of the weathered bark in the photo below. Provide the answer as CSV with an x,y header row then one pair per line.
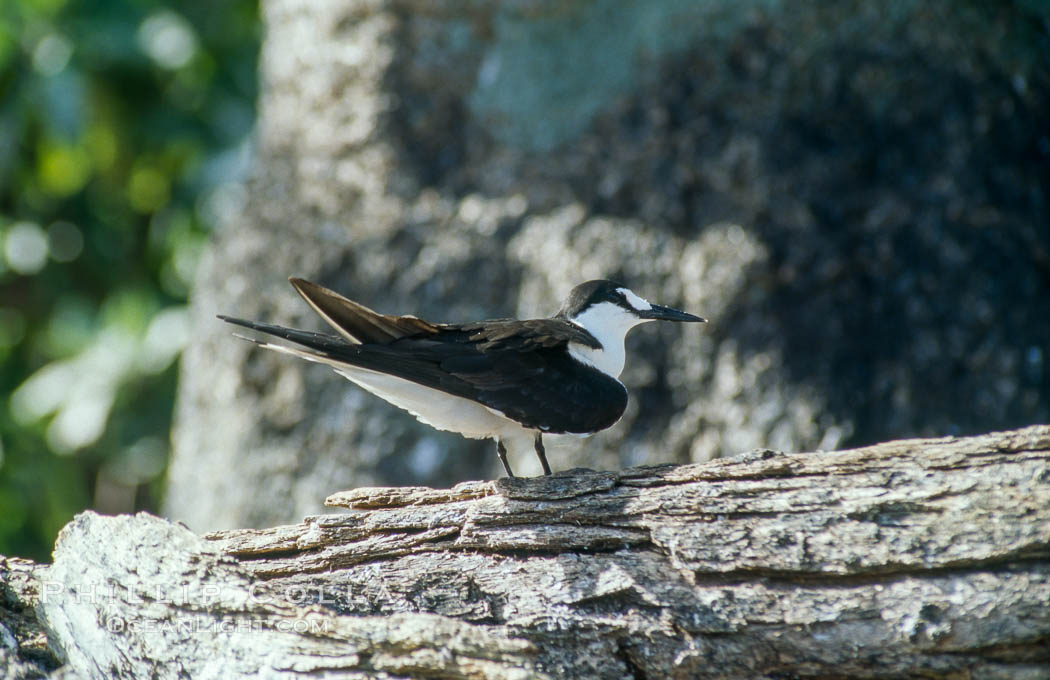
x,y
24,654
912,558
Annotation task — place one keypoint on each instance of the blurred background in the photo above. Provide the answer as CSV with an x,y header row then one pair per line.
x,y
124,131
854,193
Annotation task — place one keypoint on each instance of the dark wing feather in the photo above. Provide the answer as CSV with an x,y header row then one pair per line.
x,y
356,322
543,389
511,334
523,370
519,368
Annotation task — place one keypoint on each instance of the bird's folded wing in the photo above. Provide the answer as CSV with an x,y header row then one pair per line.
x,y
518,368
542,389
511,334
354,321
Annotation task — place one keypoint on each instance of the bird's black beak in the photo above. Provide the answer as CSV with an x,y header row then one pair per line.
x,y
661,313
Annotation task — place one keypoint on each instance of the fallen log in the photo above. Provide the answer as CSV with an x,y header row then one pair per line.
x,y
927,557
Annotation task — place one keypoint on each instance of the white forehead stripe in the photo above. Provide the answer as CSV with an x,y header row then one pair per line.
x,y
636,302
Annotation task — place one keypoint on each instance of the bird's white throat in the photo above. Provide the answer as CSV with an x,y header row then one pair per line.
x,y
609,324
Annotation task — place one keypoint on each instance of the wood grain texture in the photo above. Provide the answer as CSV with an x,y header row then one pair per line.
x,y
919,558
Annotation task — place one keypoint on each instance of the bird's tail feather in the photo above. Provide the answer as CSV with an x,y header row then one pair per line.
x,y
319,347
345,357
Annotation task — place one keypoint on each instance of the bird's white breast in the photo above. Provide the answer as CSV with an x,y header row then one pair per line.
x,y
609,361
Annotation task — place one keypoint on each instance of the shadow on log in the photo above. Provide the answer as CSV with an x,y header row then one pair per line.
x,y
912,558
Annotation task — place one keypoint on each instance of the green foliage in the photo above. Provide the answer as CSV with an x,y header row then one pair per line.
x,y
124,128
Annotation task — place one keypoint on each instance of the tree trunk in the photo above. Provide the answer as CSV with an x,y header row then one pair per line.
x,y
854,193
917,558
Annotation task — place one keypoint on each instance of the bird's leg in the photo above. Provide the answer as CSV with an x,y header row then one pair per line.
x,y
501,451
541,453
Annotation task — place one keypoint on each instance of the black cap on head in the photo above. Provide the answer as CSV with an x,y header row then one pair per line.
x,y
595,292
591,293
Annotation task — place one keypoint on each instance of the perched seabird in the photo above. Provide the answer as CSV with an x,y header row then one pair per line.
x,y
504,379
